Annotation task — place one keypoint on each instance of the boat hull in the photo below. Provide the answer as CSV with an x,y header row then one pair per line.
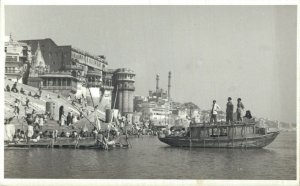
x,y
86,143
258,141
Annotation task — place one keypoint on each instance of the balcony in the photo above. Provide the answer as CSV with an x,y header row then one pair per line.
x,y
60,88
94,84
73,67
94,73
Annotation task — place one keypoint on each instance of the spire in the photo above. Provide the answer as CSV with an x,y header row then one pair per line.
x,y
39,59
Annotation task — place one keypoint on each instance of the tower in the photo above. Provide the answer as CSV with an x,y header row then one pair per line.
x,y
124,89
39,64
169,86
157,83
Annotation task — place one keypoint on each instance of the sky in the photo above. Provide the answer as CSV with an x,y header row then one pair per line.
x,y
213,52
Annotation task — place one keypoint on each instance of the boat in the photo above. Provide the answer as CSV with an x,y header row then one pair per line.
x,y
222,135
85,143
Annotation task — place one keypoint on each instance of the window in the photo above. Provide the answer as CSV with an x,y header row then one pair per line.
x,y
63,82
68,82
11,59
44,82
50,82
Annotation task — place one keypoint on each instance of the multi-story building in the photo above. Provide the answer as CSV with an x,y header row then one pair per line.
x,y
17,59
69,70
86,68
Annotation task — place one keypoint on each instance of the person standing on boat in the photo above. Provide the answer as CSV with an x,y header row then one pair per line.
x,y
239,109
214,112
229,111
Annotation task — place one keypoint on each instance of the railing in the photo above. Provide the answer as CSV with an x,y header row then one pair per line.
x,y
94,73
59,88
222,124
73,67
126,79
94,84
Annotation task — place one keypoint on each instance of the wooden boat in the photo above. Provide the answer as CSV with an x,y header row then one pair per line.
x,y
222,135
86,143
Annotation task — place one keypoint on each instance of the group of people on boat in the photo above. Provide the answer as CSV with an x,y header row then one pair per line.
x,y
229,111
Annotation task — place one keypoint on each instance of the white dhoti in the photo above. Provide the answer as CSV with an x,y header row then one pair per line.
x,y
30,131
9,132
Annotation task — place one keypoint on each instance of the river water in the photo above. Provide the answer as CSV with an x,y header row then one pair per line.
x,y
151,159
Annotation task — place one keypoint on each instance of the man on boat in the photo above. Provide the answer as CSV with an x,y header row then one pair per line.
x,y
239,109
229,111
214,112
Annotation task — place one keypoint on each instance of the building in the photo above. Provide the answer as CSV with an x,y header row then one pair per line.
x,y
71,71
37,67
123,80
17,59
67,70
66,57
157,115
86,68
138,103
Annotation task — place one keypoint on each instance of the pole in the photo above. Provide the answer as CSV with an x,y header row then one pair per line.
x,y
91,97
112,115
116,97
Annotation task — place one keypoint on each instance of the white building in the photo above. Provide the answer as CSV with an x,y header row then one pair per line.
x,y
17,58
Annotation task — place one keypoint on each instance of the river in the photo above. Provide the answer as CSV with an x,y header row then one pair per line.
x,y
150,159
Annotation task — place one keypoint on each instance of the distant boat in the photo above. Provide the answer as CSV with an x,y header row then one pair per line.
x,y
221,135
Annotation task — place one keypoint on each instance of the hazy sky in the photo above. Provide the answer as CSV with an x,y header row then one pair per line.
x,y
213,51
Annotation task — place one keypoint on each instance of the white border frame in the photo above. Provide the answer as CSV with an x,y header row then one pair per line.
x,y
147,182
